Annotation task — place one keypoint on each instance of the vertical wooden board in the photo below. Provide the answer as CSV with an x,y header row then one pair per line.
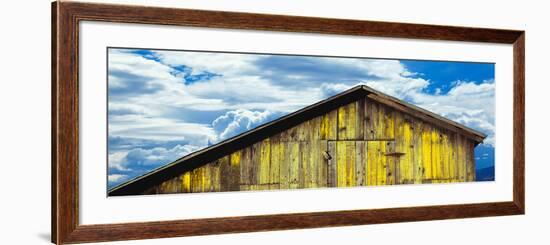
x,y
329,125
372,121
277,155
315,128
234,164
448,157
352,121
284,169
226,174
451,145
303,131
377,163
304,177
196,180
291,134
360,163
186,182
342,123
427,152
244,157
404,144
345,163
399,147
444,156
322,164
417,152
350,163
347,122
470,162
341,163
295,158
461,158
380,123
331,164
382,167
372,168
436,154
360,119
264,163
388,123
207,178
215,176
314,157
390,162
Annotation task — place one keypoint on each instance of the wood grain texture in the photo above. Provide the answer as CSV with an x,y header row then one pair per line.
x,y
65,123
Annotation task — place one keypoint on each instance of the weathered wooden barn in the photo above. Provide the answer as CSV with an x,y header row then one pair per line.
x,y
360,137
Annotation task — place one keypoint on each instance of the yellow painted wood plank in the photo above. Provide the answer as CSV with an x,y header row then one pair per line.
x,y
233,162
304,178
461,158
196,180
277,156
380,121
372,168
404,144
206,181
445,155
350,163
329,125
265,162
284,170
382,167
341,163
294,165
314,162
322,166
303,131
215,176
246,165
360,119
436,155
417,152
315,129
360,163
377,163
388,123
186,182
453,173
470,162
347,116
391,163
427,153
371,119
332,174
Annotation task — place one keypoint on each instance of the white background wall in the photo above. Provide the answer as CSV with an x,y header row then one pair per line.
x,y
25,124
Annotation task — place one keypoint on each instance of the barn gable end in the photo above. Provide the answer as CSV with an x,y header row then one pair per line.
x,y
360,137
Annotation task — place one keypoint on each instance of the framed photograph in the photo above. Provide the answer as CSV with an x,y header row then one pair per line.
x,y
177,122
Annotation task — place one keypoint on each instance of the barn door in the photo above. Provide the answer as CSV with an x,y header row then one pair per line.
x,y
361,163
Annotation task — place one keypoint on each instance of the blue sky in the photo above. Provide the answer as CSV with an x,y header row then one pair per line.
x,y
166,104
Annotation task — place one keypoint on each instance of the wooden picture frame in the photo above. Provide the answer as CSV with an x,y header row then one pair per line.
x,y
65,121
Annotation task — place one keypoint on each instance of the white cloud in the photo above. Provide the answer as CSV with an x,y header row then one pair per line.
x,y
139,158
235,122
117,178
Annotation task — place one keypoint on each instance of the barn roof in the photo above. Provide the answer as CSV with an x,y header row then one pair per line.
x,y
211,153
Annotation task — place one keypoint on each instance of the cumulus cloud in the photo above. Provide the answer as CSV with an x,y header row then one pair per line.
x,y
238,121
